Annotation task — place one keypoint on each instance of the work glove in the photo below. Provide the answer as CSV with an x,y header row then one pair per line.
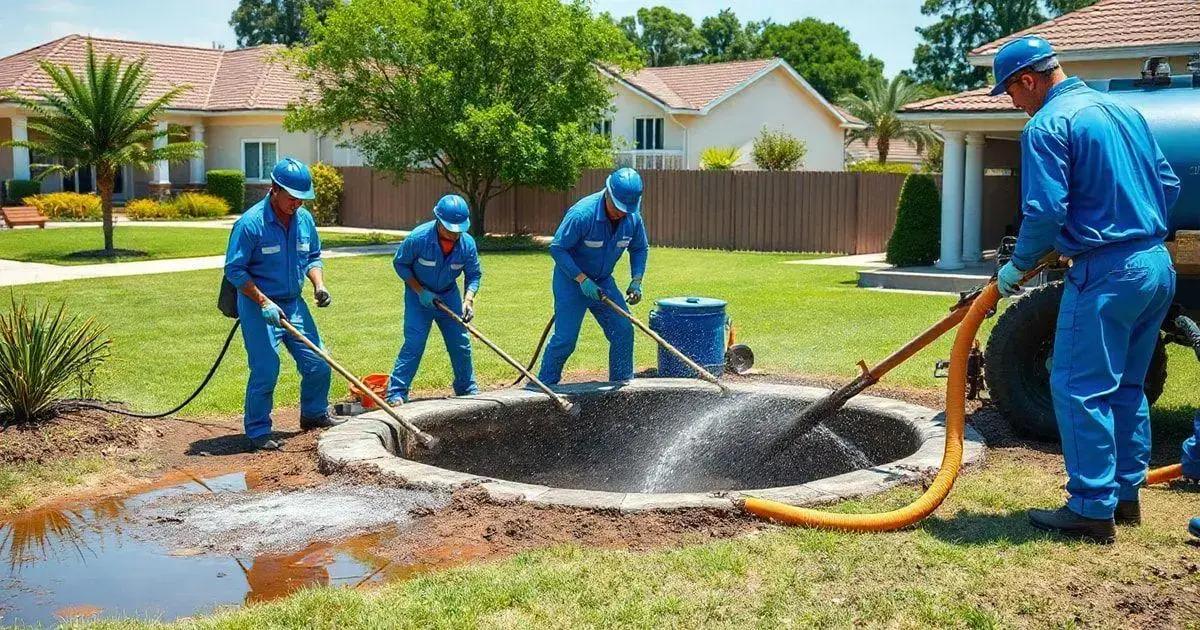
x,y
1008,280
272,313
590,289
323,297
427,298
468,312
633,294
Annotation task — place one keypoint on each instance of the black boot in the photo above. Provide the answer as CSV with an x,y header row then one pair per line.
x,y
1067,523
1128,513
324,421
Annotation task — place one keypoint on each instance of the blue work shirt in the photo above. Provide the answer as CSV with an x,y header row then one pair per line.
x,y
587,242
420,256
276,258
1091,175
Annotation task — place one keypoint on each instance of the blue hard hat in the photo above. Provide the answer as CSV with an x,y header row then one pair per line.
x,y
624,187
453,213
1017,55
293,176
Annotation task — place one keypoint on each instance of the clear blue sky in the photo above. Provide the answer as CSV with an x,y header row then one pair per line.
x,y
883,28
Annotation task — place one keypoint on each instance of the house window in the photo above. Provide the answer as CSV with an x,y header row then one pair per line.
x,y
258,157
603,128
649,134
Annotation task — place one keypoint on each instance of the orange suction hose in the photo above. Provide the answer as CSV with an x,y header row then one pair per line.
x,y
956,395
1164,474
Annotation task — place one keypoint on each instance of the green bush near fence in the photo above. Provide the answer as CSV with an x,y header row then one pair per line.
x,y
17,189
328,186
67,206
917,235
872,166
230,185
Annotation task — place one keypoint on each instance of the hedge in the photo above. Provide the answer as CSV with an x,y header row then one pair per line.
x,y
873,166
149,209
200,206
917,235
67,206
17,189
230,185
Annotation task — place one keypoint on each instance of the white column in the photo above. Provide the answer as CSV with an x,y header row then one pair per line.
x,y
162,169
952,201
20,155
973,199
197,176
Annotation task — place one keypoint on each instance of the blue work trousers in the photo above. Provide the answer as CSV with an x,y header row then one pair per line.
x,y
262,353
417,322
1191,451
1114,302
569,306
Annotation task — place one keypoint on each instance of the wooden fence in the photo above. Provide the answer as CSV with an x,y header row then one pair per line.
x,y
851,213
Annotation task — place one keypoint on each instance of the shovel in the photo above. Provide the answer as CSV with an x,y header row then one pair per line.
x,y
568,407
424,439
703,373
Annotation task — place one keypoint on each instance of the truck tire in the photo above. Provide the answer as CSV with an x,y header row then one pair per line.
x,y
1015,363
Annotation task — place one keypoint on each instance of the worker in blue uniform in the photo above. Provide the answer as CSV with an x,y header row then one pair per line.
x,y
429,262
274,246
1096,188
593,235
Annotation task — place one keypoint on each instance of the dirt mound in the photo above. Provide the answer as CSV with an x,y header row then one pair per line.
x,y
80,432
477,528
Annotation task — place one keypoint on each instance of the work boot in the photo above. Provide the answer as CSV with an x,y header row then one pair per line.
x,y
1128,513
324,421
1071,525
265,443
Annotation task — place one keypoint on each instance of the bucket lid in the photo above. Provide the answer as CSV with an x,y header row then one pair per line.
x,y
693,304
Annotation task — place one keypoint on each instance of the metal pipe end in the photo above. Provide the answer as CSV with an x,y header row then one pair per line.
x,y
429,442
572,409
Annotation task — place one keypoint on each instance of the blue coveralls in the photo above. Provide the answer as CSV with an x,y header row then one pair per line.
x,y
420,256
1096,188
587,242
1191,451
278,260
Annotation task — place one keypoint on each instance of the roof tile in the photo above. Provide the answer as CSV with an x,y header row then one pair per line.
x,y
696,86
1116,24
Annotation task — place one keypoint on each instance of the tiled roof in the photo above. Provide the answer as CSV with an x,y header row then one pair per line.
x,y
969,101
694,87
898,151
1116,24
220,80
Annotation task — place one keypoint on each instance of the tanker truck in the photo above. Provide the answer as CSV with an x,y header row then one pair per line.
x,y
1016,362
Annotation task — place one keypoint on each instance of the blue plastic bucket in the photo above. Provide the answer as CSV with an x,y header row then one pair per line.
x,y
694,325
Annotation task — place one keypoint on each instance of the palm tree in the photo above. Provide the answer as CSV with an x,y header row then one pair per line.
x,y
98,121
877,108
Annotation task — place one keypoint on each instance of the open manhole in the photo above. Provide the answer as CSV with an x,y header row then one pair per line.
x,y
651,444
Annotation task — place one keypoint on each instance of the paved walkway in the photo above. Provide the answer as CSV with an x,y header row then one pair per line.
x,y
14,273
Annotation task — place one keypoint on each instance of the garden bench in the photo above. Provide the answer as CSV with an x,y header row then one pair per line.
x,y
23,215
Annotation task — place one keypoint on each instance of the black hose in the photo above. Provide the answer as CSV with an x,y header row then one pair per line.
x,y
150,416
537,352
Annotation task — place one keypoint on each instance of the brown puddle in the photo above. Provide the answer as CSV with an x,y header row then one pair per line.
x,y
80,561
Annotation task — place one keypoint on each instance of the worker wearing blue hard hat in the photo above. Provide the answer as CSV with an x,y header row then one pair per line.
x,y
1096,188
429,262
273,248
593,235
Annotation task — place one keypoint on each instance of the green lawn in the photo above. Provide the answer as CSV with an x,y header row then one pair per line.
x,y
56,246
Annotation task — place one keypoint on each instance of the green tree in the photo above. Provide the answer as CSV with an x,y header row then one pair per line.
x,y
916,239
258,22
725,39
877,108
963,25
97,120
778,151
822,53
665,37
490,93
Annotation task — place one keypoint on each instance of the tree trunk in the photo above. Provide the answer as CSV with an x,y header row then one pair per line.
x,y
479,201
883,145
105,175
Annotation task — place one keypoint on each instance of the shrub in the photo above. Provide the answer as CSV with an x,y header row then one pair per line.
x,y
719,158
872,166
510,243
67,206
229,185
150,209
917,236
199,206
778,151
42,354
327,185
17,189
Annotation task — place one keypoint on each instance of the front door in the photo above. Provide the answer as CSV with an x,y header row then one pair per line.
x,y
83,180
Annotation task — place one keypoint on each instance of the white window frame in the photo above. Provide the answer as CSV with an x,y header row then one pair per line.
x,y
262,166
659,138
599,127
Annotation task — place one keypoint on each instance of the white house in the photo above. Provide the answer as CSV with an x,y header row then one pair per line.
x,y
1110,39
665,117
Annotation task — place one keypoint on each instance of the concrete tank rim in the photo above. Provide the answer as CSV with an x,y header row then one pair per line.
x,y
371,440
